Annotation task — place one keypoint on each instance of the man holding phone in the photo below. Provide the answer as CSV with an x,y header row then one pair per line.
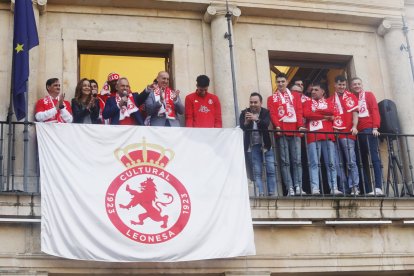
x,y
255,122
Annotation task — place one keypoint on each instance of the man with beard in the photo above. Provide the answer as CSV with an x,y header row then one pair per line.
x,y
255,122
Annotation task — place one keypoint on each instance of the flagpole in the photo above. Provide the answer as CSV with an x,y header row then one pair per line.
x,y
25,37
9,134
26,139
228,36
407,47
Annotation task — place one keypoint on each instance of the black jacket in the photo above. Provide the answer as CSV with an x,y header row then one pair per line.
x,y
80,112
262,125
111,110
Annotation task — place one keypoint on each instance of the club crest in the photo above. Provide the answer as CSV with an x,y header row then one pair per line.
x,y
146,203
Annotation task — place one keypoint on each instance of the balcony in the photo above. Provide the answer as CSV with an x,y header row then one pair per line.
x,y
19,165
341,233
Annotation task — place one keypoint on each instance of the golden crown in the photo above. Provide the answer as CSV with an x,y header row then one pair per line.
x,y
140,154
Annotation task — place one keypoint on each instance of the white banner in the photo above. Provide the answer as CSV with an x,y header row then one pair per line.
x,y
118,193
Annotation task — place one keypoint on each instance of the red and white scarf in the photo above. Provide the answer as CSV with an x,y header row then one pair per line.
x,y
347,98
339,110
287,112
127,110
101,108
105,89
304,98
362,104
320,104
167,106
50,103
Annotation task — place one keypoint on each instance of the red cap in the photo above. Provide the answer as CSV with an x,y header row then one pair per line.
x,y
113,76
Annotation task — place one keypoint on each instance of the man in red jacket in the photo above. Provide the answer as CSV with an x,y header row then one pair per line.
x,y
345,123
368,123
53,108
319,114
286,114
202,109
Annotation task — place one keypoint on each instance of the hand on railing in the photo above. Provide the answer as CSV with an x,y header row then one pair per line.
x,y
354,131
278,128
302,129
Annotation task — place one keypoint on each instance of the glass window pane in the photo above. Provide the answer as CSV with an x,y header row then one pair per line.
x,y
140,71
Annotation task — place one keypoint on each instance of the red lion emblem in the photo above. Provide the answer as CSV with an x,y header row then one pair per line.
x,y
147,199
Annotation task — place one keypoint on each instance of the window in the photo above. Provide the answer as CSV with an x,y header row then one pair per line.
x,y
138,62
309,67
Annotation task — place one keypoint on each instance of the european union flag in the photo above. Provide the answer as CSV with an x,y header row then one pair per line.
x,y
25,37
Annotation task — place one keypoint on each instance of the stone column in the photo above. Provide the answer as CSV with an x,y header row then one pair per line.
x,y
399,71
223,88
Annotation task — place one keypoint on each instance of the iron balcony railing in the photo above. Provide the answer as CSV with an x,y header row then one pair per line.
x,y
395,165
19,164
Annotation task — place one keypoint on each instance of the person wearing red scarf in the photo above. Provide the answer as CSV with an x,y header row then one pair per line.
x,y
109,87
122,109
286,114
319,114
53,108
163,104
345,123
108,90
368,123
202,109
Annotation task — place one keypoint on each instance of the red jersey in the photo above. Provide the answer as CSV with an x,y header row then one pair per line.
x,y
315,112
344,106
202,111
45,111
369,116
286,111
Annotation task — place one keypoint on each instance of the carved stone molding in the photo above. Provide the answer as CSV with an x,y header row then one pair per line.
x,y
221,10
41,5
388,24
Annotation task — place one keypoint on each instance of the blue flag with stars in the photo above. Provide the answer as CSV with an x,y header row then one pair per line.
x,y
25,37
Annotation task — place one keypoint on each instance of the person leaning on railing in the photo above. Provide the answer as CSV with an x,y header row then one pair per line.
x,y
257,144
368,123
286,114
345,123
319,114
53,108
85,105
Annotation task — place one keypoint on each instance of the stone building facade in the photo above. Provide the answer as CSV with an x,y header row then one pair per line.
x,y
313,236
